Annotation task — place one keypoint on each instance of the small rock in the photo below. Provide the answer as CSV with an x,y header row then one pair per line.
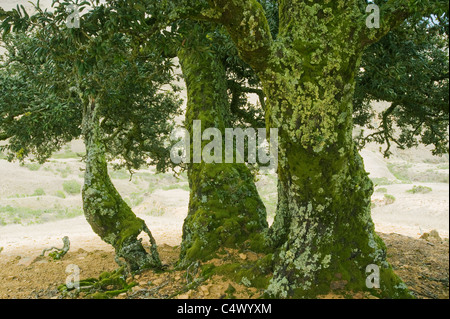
x,y
243,256
431,236
185,296
338,285
435,234
136,288
205,290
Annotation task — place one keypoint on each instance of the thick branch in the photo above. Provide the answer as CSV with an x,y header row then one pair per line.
x,y
247,25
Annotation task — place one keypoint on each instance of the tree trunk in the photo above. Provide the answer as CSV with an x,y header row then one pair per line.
x,y
225,209
105,210
323,231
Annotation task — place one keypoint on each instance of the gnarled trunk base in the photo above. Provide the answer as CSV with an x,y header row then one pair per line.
x,y
325,235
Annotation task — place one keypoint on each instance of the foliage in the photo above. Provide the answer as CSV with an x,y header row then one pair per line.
x,y
72,187
409,69
58,69
381,190
420,190
38,192
389,199
60,194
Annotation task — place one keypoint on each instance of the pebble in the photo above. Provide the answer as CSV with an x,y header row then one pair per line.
x,y
205,290
136,288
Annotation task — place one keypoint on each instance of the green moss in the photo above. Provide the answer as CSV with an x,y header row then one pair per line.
x,y
330,239
230,292
254,274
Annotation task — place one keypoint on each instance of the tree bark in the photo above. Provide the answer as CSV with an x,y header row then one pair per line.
x,y
105,210
225,209
323,231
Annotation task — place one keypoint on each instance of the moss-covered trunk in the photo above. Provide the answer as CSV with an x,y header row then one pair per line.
x,y
105,210
323,231
225,209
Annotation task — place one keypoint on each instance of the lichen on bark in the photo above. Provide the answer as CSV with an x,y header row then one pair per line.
x,y
108,214
323,228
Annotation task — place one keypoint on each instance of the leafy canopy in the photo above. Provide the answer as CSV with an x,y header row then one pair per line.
x,y
51,72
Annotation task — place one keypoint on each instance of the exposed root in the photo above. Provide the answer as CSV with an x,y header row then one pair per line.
x,y
60,252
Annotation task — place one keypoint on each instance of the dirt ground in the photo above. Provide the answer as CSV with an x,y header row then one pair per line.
x,y
422,264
